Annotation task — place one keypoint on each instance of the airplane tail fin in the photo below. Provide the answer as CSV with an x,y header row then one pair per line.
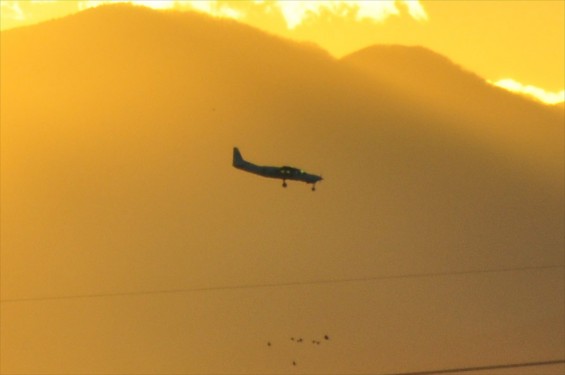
x,y
237,158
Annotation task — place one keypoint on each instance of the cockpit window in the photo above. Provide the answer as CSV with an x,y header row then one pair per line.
x,y
289,170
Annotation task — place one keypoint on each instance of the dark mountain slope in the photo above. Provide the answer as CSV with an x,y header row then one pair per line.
x,y
117,130
465,101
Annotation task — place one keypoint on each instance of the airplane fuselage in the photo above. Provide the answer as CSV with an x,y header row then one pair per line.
x,y
284,173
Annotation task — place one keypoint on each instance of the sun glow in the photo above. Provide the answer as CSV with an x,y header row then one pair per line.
x,y
531,91
155,4
214,8
294,13
11,10
297,12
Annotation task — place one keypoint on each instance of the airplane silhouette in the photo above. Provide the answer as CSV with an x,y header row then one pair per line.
x,y
284,173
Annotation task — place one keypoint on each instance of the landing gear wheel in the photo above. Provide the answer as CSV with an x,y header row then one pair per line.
x,y
313,187
284,184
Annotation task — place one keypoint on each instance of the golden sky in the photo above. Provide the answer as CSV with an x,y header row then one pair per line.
x,y
130,245
515,44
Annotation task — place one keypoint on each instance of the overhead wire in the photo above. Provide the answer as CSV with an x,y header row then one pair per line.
x,y
332,281
482,368
425,372
277,284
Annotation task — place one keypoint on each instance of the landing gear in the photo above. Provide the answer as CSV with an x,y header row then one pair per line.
x,y
284,183
313,187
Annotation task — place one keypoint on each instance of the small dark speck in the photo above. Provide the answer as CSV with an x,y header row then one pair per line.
x,y
294,363
268,343
326,337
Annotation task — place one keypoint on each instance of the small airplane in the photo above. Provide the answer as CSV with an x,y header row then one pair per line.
x,y
284,173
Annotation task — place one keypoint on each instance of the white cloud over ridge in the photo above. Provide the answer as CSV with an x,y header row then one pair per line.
x,y
12,10
537,93
296,12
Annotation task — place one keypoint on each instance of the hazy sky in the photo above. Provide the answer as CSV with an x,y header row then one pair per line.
x,y
130,245
517,44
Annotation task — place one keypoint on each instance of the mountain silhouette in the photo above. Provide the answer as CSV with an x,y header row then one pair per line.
x,y
463,99
118,125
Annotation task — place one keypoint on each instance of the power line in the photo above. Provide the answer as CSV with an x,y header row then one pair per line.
x,y
278,285
482,368
427,372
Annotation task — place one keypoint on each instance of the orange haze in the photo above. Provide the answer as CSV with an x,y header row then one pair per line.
x,y
129,244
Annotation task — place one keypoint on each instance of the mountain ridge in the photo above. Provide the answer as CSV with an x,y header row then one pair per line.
x,y
199,50
442,71
110,11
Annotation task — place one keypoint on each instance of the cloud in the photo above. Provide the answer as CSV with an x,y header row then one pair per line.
x,y
214,8
416,10
296,12
531,91
12,10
